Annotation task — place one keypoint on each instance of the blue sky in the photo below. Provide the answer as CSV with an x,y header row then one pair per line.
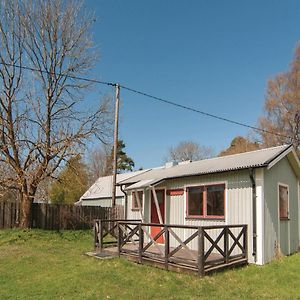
x,y
216,56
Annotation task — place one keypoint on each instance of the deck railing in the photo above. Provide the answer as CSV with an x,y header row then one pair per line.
x,y
203,249
200,249
107,229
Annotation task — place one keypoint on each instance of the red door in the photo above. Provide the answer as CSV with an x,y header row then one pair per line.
x,y
154,216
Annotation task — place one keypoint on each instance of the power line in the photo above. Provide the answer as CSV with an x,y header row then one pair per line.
x,y
202,112
151,97
59,74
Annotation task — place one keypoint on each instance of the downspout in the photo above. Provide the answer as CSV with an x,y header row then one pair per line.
x,y
126,204
254,217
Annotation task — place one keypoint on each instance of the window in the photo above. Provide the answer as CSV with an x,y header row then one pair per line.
x,y
206,201
195,198
283,202
135,204
215,200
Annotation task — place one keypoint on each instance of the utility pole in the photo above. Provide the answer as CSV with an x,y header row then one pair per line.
x,y
115,145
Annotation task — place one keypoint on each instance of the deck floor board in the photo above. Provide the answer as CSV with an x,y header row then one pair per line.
x,y
180,260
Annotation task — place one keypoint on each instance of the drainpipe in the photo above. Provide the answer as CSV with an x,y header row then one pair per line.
x,y
254,222
126,204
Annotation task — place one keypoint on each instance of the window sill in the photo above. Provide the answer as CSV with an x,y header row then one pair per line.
x,y
285,219
206,218
135,209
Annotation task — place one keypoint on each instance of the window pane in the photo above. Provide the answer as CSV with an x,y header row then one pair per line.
x,y
283,201
215,200
135,204
195,201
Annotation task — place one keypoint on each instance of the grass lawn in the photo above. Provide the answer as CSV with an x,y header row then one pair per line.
x,y
36,264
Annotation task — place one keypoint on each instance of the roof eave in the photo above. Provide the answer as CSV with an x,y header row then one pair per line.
x,y
205,173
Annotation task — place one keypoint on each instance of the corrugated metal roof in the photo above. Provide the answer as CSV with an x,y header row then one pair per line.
x,y
142,184
245,160
102,188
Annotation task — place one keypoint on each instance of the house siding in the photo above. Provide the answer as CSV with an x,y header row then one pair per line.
x,y
238,204
284,237
103,202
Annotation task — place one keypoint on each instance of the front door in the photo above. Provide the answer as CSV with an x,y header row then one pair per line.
x,y
154,215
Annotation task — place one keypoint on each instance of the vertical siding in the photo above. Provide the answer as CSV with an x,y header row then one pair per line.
x,y
238,204
280,173
133,214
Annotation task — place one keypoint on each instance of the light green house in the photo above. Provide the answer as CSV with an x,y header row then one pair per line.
x,y
258,188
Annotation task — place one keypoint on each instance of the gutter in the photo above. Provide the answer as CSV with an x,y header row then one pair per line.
x,y
254,217
126,201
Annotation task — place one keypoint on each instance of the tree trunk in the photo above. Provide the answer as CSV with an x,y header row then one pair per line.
x,y
26,210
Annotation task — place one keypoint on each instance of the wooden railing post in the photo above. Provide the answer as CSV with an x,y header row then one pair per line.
x,y
200,251
226,244
120,238
167,246
245,241
96,245
101,235
141,242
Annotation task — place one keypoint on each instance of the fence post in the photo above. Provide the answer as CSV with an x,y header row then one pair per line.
x,y
141,242
200,251
167,246
226,244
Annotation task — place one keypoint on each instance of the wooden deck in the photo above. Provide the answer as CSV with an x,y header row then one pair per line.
x,y
221,253
153,258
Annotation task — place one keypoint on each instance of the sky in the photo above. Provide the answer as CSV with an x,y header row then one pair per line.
x,y
215,56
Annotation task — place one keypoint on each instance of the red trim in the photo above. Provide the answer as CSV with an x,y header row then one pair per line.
x,y
175,192
204,216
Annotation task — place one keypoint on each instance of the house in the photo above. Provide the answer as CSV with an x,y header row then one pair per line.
x,y
258,188
100,193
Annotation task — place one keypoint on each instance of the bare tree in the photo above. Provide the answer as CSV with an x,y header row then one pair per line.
x,y
100,161
97,160
282,107
188,150
43,121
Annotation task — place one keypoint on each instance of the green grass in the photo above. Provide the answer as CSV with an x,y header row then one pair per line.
x,y
36,264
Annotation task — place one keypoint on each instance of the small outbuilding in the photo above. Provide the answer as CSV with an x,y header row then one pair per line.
x,y
258,188
100,193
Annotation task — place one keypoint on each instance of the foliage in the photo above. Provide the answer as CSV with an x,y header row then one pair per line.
x,y
282,107
188,150
36,264
239,145
100,161
71,184
124,162
42,119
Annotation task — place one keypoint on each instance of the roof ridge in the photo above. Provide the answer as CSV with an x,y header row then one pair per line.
x,y
238,154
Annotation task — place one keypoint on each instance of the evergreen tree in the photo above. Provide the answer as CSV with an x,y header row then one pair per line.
x,y
124,162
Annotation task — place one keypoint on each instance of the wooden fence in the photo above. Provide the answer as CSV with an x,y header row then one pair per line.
x,y
9,214
56,217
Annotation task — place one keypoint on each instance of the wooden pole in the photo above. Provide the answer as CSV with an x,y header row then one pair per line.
x,y
201,251
115,145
